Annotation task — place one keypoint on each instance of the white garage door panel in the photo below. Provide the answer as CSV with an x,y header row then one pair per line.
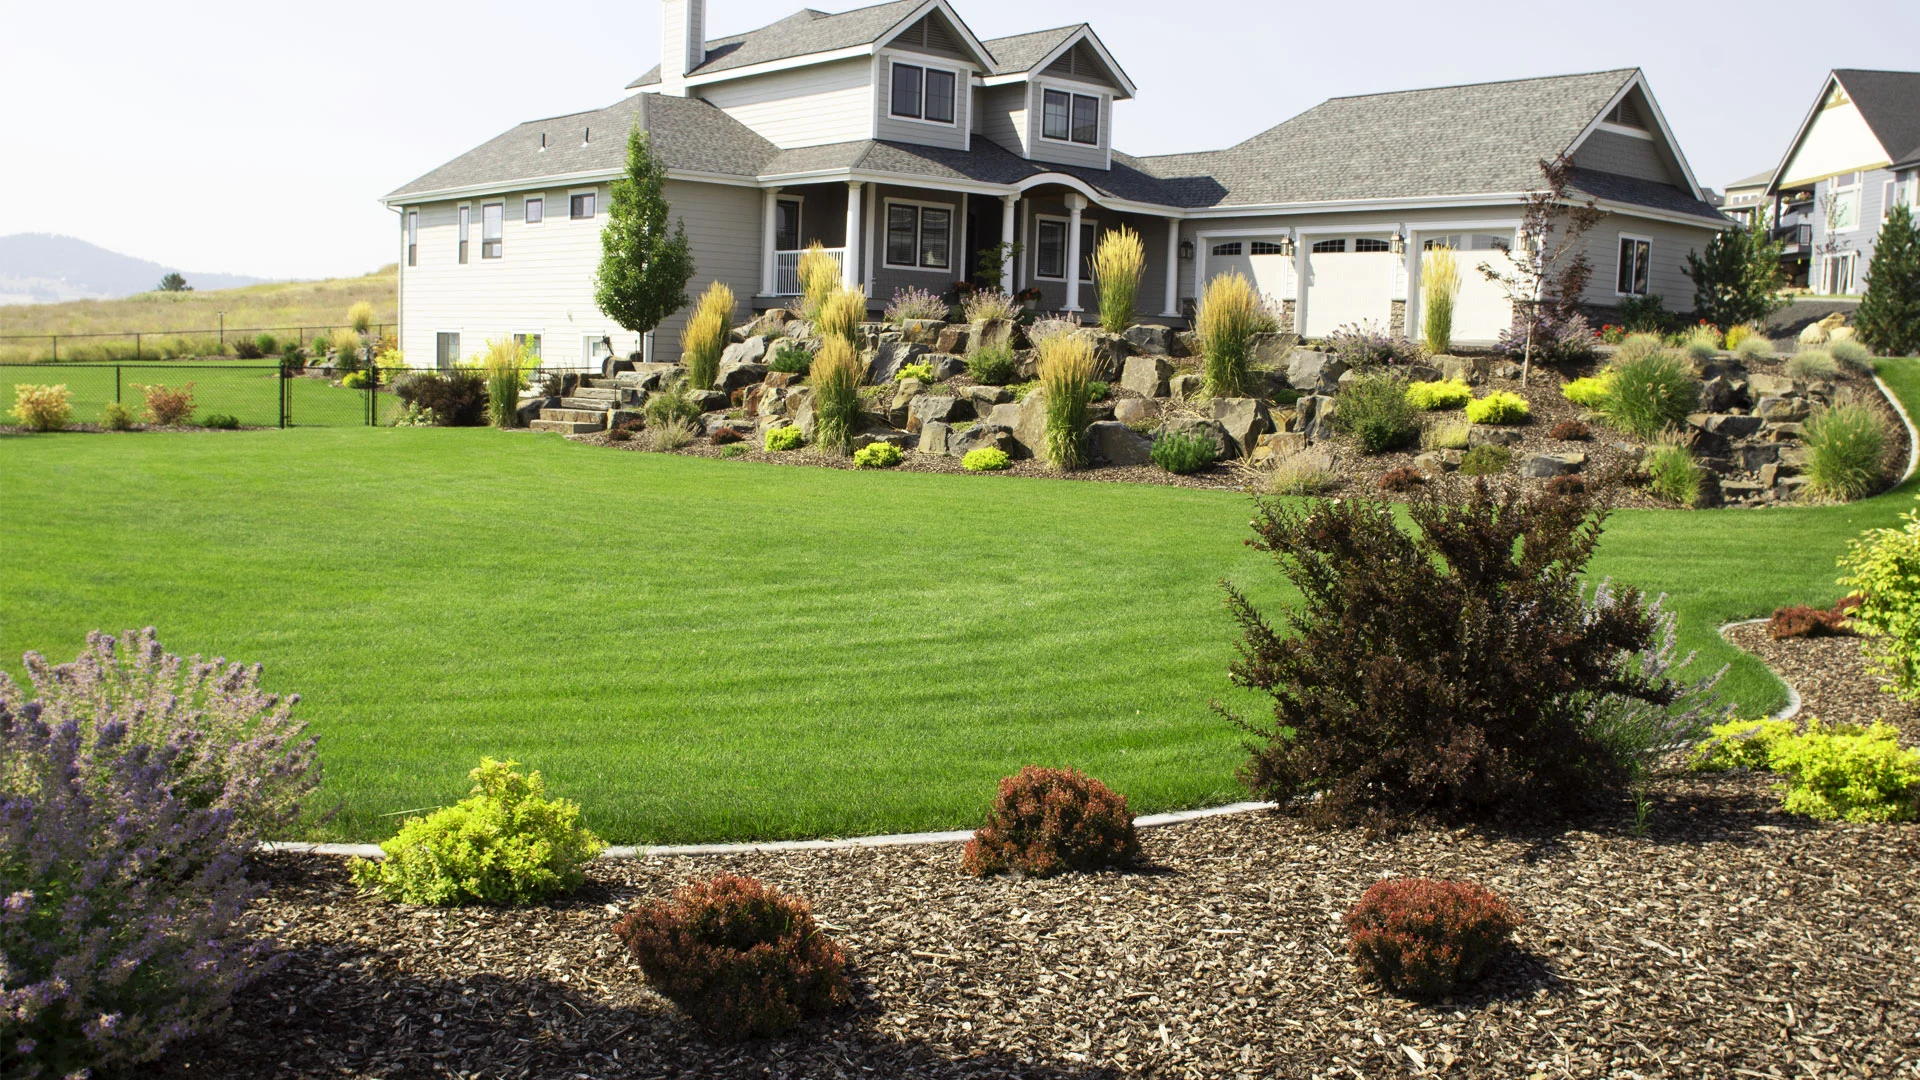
x,y
1272,275
1348,287
1482,311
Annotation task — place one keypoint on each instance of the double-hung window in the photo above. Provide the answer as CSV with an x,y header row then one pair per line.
x,y
413,236
466,215
922,93
580,206
919,236
490,220
536,209
1842,203
1070,117
1050,258
1631,277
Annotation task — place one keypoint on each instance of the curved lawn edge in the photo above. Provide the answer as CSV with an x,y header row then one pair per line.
x,y
1792,708
648,851
1913,435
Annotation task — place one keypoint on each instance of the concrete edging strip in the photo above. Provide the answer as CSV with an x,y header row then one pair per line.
x,y
1792,708
1913,434
372,851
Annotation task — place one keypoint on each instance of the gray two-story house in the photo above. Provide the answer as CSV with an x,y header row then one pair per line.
x,y
909,147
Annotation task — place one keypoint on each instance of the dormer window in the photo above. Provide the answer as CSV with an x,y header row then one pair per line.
x,y
1070,117
922,93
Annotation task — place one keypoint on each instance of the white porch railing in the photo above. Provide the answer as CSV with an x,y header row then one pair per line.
x,y
786,269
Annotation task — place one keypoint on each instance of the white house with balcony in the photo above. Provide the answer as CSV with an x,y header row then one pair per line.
x,y
908,147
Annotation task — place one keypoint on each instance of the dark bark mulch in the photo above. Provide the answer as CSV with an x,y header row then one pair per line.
x,y
1729,940
1834,678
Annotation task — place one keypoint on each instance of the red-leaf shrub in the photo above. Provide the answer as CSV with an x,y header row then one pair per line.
x,y
725,435
1401,479
1569,484
1048,820
1800,621
1571,431
741,958
1424,937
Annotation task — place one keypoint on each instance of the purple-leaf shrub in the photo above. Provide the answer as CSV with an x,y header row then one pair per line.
x,y
1555,340
122,907
238,748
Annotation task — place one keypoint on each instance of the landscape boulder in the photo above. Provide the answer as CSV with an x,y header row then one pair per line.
x,y
1244,420
1467,369
1149,340
1542,466
991,334
934,437
1278,444
1135,410
942,407
1030,423
1314,372
1484,435
951,339
984,398
945,366
1187,387
1146,375
1270,349
750,351
992,436
1313,416
1115,443
887,358
738,374
1223,446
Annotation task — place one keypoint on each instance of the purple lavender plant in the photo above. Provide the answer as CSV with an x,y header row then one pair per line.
x,y
1640,732
915,303
1365,345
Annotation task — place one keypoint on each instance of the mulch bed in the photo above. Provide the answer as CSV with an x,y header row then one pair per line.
x,y
1835,680
1729,940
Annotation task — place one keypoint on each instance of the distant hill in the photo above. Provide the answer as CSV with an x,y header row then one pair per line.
x,y
38,268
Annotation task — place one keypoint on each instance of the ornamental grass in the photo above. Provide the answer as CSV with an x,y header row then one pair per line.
x,y
706,335
1229,311
1066,369
840,316
836,393
819,275
1118,262
1439,289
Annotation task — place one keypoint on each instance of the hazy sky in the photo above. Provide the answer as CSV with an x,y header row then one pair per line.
x,y
255,138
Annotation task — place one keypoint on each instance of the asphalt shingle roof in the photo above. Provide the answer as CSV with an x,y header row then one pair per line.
x,y
800,34
686,134
1890,103
1021,52
1634,191
987,163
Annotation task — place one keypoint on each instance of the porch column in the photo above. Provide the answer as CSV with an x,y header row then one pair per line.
x,y
769,232
850,264
1076,202
866,236
1006,242
1020,275
1172,307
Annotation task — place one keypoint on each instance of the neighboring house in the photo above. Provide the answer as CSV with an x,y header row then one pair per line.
x,y
1855,156
909,148
1790,222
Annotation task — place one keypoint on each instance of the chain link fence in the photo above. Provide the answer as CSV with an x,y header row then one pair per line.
x,y
257,395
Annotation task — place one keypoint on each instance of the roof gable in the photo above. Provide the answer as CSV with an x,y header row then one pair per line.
x,y
807,32
1634,111
1890,103
1834,138
1068,52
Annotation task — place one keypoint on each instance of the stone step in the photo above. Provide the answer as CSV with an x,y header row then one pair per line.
x,y
565,427
589,404
597,418
601,382
598,388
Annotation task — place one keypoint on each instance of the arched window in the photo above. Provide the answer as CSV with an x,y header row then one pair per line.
x,y
1323,247
1232,248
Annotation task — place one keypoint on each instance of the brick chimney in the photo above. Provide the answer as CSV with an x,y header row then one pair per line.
x,y
683,42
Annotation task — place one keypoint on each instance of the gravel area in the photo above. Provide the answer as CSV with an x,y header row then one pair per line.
x,y
1835,680
1729,940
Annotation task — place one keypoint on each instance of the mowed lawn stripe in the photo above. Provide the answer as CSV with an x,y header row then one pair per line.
x,y
708,650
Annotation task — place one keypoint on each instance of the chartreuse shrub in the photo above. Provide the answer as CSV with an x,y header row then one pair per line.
x,y
985,459
1045,821
1649,394
742,959
1739,744
1848,772
1426,938
1440,394
1589,391
784,438
1118,261
1229,312
1182,452
1499,407
878,455
1372,716
1376,411
133,785
221,421
504,844
991,365
42,408
116,417
1846,449
1066,367
923,372
836,376
708,331
1883,566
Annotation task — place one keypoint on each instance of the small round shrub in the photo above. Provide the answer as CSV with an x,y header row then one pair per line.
x,y
1738,333
1846,450
878,455
1590,391
784,438
1739,744
1848,772
1638,346
1425,938
221,421
1801,621
1571,431
991,366
1376,411
1650,394
1401,479
356,380
1672,473
622,432
1752,348
1443,394
985,459
116,417
1567,486
1701,344
791,359
42,408
733,451
504,844
1045,821
741,958
1499,407
923,372
1812,364
724,435
1485,460
1852,353
1182,452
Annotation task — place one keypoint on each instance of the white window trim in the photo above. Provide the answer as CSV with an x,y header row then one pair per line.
x,y
511,334
954,222
410,235
1827,265
593,191
502,204
1889,190
961,85
1648,240
1100,118
453,361
524,200
468,207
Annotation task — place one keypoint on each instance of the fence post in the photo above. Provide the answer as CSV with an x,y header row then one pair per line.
x,y
136,346
56,351
116,384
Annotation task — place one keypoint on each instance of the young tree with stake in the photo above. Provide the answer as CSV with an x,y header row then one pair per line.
x,y
1549,267
644,268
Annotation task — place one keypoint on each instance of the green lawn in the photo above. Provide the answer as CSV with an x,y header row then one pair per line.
x,y
705,650
248,389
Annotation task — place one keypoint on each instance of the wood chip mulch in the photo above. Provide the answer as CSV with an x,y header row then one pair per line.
x,y
1730,940
1835,680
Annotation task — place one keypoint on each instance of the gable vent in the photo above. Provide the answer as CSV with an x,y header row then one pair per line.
x,y
1626,114
930,34
1078,60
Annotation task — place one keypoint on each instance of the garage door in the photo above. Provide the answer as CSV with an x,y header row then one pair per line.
x,y
1259,261
1349,280
1482,310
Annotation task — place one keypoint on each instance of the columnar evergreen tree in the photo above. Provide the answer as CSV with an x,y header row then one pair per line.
x,y
1737,279
644,267
1889,315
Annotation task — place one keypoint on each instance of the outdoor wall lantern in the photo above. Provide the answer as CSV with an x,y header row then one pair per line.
x,y
1399,244
1186,249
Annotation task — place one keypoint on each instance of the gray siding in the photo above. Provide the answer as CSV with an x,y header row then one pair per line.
x,y
1003,116
1609,151
1666,277
1080,64
809,106
1066,153
1862,238
888,279
887,126
723,225
1151,298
